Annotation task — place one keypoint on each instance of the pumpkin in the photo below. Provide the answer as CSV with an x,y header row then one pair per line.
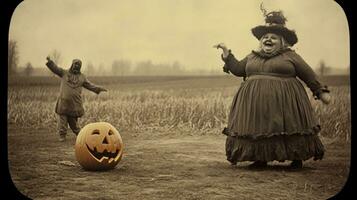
x,y
99,146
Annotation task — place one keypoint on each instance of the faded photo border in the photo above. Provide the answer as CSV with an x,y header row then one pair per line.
x,y
9,189
7,185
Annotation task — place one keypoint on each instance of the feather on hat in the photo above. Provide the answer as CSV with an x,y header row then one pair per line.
x,y
275,23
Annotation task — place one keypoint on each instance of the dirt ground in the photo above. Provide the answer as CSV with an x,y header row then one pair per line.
x,y
166,165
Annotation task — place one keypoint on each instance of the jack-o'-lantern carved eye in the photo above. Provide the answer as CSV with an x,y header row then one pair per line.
x,y
96,132
99,146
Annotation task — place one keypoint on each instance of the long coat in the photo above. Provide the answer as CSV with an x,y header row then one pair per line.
x,y
69,101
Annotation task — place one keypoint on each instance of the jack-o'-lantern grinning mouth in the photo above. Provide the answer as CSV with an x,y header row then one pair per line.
x,y
105,154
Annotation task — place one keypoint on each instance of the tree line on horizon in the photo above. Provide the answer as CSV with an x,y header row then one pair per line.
x,y
123,67
119,67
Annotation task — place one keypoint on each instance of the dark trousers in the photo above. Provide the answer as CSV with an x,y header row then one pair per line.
x,y
64,121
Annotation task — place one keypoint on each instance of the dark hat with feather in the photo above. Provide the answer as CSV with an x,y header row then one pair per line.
x,y
275,23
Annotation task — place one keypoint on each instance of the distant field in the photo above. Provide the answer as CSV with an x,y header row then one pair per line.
x,y
224,80
198,104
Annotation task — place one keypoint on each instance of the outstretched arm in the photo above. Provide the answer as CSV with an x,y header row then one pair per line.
x,y
54,68
231,63
92,87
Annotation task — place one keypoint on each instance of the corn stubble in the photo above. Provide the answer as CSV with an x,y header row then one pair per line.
x,y
197,110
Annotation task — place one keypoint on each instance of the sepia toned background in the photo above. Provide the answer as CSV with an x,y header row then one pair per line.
x,y
167,96
176,34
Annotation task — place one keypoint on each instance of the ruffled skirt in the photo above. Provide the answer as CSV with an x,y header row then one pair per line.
x,y
271,118
279,148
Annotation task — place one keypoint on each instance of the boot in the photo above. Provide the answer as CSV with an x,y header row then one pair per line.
x,y
258,164
296,164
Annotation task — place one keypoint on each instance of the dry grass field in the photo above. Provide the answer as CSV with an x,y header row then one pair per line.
x,y
174,149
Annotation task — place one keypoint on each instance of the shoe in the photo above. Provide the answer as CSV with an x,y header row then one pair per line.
x,y
232,162
62,138
296,164
258,164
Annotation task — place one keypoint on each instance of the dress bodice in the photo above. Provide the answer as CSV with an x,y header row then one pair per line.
x,y
280,65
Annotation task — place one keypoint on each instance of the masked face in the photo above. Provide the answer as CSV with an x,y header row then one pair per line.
x,y
76,66
270,43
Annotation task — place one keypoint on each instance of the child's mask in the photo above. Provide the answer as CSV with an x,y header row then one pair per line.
x,y
76,66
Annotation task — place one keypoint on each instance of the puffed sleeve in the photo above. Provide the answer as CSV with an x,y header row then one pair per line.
x,y
306,74
233,65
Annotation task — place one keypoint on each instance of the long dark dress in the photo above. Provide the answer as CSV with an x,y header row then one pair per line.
x,y
271,117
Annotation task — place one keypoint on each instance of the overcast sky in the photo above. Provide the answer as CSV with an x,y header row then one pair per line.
x,y
165,31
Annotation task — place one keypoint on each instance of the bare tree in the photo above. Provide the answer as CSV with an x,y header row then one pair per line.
x,y
121,67
28,69
13,57
323,68
145,68
177,68
101,71
90,70
56,56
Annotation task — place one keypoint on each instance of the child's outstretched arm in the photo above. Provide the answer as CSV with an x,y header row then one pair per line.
x,y
54,68
92,87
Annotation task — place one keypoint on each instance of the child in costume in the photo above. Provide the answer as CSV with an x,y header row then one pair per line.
x,y
69,106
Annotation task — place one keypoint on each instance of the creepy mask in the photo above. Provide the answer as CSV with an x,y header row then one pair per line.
x,y
76,66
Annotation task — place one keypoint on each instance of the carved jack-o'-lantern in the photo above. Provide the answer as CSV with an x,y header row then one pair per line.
x,y
99,146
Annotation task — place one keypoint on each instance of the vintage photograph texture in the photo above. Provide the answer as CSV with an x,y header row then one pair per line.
x,y
179,99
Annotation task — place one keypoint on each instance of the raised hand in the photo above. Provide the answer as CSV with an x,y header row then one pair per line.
x,y
220,46
223,47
